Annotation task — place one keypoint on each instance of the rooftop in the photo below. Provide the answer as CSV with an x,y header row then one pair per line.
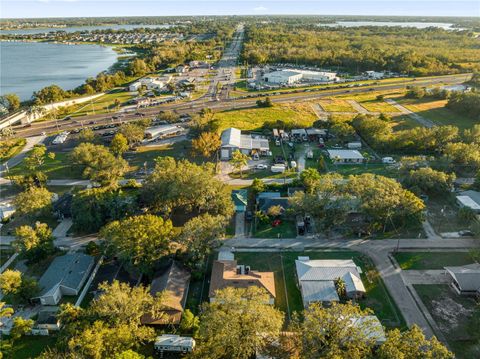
x,y
345,154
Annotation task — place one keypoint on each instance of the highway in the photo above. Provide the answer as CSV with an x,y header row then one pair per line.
x,y
37,128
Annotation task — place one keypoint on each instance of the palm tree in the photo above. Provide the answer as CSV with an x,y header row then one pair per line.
x,y
341,287
239,160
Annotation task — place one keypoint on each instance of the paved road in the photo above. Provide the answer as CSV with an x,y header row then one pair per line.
x,y
225,104
378,251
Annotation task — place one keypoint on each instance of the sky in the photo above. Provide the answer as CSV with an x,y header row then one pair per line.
x,y
89,8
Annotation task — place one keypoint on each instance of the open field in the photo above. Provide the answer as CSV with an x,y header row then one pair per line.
x,y
336,105
453,315
370,103
403,122
431,260
436,111
288,295
296,114
103,104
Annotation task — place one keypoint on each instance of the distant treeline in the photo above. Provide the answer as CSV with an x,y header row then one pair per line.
x,y
412,51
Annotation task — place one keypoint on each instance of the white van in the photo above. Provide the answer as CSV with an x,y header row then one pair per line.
x,y
388,160
278,168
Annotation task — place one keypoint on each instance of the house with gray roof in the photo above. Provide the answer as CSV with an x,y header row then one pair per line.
x,y
316,279
233,140
65,276
469,199
465,279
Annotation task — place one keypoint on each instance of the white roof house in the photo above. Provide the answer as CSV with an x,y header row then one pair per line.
x,y
465,279
345,156
469,199
134,86
316,279
174,343
233,139
162,131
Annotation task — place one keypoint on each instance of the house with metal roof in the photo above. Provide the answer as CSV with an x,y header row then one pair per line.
x,y
469,199
171,343
465,280
174,283
345,156
316,279
233,140
228,273
65,276
240,199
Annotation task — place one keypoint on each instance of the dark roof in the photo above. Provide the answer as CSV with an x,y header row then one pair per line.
x,y
47,317
174,282
265,203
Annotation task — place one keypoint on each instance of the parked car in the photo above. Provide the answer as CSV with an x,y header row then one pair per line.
x,y
466,233
261,166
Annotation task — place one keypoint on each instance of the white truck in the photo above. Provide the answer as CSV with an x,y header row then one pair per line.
x,y
278,168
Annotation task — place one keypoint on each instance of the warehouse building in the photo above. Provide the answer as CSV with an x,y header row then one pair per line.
x,y
233,140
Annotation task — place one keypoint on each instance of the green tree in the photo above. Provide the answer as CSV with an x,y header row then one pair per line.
x,y
11,281
5,311
119,145
430,181
206,144
134,133
11,101
412,344
138,67
328,332
100,165
343,130
36,158
17,287
275,211
21,327
235,315
190,323
239,160
341,288
200,235
140,241
186,187
36,243
129,354
49,94
87,135
33,201
310,179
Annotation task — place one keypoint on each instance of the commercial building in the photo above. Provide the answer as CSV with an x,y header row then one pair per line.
x,y
292,76
316,279
233,140
162,131
228,273
345,156
65,276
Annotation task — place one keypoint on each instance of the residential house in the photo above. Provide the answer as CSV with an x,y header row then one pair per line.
x,y
316,134
465,280
65,276
469,199
316,279
240,199
170,343
174,283
233,140
345,156
228,273
47,319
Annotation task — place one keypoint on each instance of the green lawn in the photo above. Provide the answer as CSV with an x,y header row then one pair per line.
x,y
298,115
288,297
431,260
286,229
11,147
4,255
58,168
436,111
442,213
103,104
31,346
370,103
378,169
453,314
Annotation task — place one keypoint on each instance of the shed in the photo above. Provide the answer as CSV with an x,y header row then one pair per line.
x,y
345,156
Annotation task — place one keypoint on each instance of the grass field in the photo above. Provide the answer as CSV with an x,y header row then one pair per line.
x,y
436,111
288,297
403,122
336,105
103,104
31,346
431,260
453,315
286,229
298,115
58,168
378,169
370,103
10,148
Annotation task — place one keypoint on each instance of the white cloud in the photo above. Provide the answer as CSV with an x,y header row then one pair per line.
x,y
260,8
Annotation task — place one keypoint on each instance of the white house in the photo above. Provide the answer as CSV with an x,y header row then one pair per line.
x,y
233,140
282,77
469,199
174,344
316,279
345,156
65,276
465,279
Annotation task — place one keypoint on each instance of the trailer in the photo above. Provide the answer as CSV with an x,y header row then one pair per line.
x,y
277,168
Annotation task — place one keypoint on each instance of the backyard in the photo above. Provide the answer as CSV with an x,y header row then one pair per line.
x,y
286,229
31,346
453,315
288,297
